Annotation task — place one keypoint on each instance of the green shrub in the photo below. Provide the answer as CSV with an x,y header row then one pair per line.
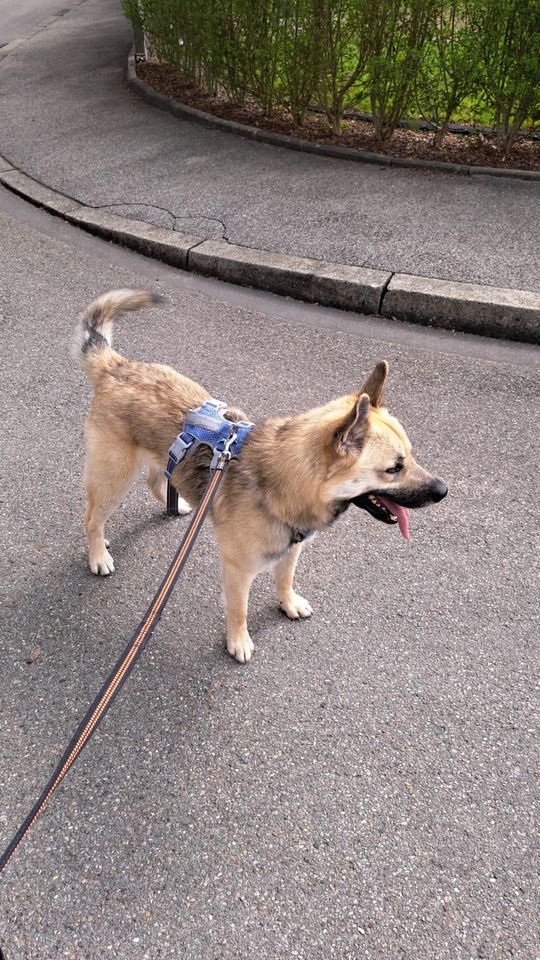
x,y
449,68
432,57
398,32
345,45
301,51
507,45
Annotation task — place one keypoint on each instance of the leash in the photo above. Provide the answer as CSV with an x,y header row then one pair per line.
x,y
116,679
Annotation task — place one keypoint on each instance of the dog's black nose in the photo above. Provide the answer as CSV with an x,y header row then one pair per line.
x,y
438,491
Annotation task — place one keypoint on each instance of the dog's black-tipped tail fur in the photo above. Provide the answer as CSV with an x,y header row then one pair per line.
x,y
94,331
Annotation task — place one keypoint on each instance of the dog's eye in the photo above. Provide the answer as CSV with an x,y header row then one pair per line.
x,y
395,469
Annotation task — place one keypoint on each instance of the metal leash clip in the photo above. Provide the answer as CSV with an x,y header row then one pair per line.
x,y
222,456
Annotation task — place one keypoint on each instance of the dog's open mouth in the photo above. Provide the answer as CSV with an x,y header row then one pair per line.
x,y
382,508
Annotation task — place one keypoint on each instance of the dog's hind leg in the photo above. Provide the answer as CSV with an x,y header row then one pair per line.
x,y
158,488
290,602
110,469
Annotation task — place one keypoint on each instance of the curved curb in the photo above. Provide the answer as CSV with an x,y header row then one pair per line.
x,y
467,307
193,115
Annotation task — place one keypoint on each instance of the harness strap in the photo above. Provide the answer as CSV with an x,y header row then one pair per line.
x,y
298,536
125,664
172,500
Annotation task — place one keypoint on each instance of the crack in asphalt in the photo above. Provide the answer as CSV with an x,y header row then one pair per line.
x,y
193,217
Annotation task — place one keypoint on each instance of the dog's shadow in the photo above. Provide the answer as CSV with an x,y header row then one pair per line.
x,y
68,595
67,611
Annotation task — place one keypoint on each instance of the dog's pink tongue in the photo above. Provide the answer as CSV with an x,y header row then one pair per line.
x,y
402,514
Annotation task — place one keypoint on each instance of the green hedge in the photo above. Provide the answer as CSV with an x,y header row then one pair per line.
x,y
438,59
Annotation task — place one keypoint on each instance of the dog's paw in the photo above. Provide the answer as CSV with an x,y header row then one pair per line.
x,y
101,564
295,607
240,646
183,507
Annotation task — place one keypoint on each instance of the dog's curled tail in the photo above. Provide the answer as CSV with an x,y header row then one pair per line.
x,y
94,330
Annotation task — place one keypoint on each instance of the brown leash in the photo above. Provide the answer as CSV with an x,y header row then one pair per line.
x,y
125,664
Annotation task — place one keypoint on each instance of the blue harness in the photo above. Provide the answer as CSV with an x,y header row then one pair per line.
x,y
206,426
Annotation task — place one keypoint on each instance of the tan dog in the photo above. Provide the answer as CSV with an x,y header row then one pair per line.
x,y
295,475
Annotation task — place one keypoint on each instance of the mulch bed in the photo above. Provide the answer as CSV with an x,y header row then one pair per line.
x,y
357,134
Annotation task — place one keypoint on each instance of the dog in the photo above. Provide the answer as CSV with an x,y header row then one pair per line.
x,y
294,476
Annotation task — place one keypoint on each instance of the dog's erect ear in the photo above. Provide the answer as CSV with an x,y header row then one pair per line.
x,y
375,383
351,433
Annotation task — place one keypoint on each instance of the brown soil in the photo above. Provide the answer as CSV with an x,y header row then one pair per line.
x,y
357,134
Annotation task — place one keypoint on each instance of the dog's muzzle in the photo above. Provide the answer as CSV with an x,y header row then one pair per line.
x,y
395,508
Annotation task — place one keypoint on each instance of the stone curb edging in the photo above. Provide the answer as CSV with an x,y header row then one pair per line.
x,y
467,307
316,281
193,115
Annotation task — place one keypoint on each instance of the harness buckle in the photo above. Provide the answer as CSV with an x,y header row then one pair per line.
x,y
177,453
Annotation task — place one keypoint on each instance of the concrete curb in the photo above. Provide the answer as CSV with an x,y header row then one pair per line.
x,y
193,115
471,308
331,284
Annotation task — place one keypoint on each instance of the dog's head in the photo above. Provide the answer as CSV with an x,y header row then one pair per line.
x,y
371,464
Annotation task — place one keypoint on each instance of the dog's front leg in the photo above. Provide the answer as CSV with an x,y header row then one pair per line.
x,y
290,602
237,582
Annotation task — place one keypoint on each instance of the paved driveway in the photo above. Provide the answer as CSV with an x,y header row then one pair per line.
x,y
366,787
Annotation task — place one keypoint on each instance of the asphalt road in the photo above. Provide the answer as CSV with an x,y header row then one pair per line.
x,y
21,20
366,787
